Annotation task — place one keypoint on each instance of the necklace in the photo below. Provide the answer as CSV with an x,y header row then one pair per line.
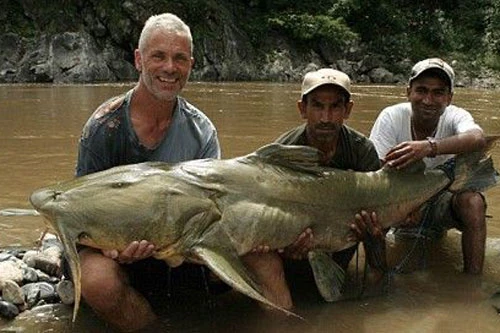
x,y
414,135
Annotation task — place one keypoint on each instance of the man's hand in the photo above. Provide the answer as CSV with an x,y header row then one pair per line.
x,y
367,229
406,153
135,251
366,225
297,250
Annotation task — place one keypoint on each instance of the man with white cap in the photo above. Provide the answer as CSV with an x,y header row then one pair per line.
x,y
429,128
325,104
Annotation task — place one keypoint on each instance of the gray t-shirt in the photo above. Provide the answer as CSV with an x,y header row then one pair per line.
x,y
108,138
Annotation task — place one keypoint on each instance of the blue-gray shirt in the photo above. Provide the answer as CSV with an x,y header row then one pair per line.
x,y
108,138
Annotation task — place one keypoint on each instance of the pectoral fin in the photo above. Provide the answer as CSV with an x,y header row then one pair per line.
x,y
329,276
231,270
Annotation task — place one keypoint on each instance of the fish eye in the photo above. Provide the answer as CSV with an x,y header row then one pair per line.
x,y
83,236
119,184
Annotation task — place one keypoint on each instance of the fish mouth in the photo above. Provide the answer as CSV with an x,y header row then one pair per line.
x,y
41,197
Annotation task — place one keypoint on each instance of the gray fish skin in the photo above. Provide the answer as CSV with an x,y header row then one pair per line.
x,y
213,211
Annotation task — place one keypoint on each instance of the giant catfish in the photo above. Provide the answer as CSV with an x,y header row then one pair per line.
x,y
214,211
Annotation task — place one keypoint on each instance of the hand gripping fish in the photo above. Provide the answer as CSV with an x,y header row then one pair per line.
x,y
214,211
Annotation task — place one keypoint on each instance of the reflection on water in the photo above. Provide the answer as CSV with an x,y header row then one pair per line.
x,y
39,130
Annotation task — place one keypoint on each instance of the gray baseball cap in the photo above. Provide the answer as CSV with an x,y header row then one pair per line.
x,y
313,80
433,63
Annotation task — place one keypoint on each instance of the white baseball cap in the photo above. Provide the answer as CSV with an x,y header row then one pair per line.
x,y
313,80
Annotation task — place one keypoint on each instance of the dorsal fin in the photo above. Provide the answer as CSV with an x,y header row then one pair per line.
x,y
298,158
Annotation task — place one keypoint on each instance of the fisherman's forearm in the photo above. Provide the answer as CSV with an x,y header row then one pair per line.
x,y
464,142
375,252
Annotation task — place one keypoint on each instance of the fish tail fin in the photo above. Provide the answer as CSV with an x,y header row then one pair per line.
x,y
473,170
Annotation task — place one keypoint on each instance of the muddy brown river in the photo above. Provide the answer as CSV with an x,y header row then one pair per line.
x,y
39,130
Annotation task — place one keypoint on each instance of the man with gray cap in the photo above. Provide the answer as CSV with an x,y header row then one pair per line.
x,y
325,104
429,128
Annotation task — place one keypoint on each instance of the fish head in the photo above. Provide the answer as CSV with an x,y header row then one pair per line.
x,y
107,210
97,205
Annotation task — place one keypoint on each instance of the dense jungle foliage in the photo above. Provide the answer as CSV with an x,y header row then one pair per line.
x,y
396,29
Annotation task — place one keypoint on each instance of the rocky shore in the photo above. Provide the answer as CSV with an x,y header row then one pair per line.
x,y
30,278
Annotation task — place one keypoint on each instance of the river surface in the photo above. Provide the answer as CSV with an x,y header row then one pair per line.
x,y
39,130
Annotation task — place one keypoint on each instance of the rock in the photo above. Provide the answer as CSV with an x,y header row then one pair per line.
x,y
44,277
381,75
41,290
32,295
48,262
4,256
348,67
369,63
77,58
11,52
10,270
29,256
49,313
39,272
8,310
29,275
12,293
40,303
66,291
51,241
18,253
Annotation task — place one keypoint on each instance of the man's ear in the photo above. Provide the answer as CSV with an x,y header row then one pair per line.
x,y
450,98
137,60
348,109
302,109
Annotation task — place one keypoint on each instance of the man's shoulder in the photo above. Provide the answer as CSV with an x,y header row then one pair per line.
x,y
192,112
453,110
103,118
360,149
355,135
293,136
397,109
109,106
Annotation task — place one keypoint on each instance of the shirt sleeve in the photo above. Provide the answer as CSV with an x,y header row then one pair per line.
x,y
383,133
91,151
464,121
212,148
